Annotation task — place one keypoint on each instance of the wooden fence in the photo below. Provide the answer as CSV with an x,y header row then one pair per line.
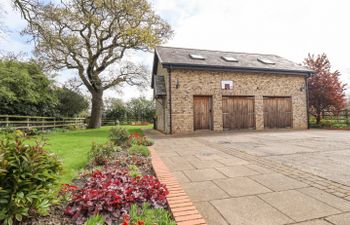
x,y
341,117
38,122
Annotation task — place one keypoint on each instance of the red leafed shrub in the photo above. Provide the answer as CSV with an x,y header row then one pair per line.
x,y
110,194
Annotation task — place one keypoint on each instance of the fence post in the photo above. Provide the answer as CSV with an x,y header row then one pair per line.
x,y
7,121
54,122
28,122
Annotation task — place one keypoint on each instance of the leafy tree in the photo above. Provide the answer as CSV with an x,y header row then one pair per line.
x,y
115,109
71,103
141,109
326,92
92,38
25,89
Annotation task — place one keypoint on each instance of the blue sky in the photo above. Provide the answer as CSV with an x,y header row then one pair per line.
x,y
289,28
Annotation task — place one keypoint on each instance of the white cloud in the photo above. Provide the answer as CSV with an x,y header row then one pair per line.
x,y
289,28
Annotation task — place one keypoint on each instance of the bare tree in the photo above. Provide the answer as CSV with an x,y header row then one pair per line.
x,y
92,38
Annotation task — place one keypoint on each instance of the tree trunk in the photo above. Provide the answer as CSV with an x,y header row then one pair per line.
x,y
96,110
318,118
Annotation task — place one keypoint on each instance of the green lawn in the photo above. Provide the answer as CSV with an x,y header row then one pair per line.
x,y
72,147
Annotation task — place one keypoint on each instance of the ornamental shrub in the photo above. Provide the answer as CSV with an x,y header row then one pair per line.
x,y
29,179
137,139
101,153
139,150
119,136
111,193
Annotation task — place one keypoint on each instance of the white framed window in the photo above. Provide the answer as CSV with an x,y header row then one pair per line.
x,y
226,84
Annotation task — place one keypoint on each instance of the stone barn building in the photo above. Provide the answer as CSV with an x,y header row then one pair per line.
x,y
215,90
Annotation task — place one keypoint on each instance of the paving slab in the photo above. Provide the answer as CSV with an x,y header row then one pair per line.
x,y
237,171
181,177
341,219
241,186
204,191
333,165
313,222
330,199
278,182
199,164
298,206
203,174
210,214
259,169
233,161
250,211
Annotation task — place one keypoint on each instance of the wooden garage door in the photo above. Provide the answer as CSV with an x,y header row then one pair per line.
x,y
277,112
202,112
238,112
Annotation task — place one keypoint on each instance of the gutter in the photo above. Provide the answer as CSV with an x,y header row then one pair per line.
x,y
235,69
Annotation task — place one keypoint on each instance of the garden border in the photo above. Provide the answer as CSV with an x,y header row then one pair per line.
x,y
181,206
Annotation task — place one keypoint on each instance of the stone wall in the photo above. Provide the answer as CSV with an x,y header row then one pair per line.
x,y
193,83
163,104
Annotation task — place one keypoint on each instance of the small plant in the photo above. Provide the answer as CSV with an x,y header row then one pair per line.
x,y
119,136
150,216
101,153
137,139
111,193
95,220
73,127
65,193
126,221
134,171
139,150
32,131
29,179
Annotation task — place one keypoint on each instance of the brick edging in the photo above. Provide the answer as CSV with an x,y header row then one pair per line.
x,y
181,206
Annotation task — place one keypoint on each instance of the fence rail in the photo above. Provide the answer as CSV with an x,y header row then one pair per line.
x,y
331,119
38,122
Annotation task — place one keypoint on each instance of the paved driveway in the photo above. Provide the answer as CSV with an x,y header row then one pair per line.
x,y
264,178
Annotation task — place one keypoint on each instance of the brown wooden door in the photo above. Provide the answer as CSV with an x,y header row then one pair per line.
x,y
238,112
277,112
202,112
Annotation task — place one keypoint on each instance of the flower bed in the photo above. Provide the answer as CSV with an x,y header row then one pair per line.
x,y
118,186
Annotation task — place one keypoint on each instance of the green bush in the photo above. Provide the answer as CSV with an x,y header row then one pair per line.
x,y
134,171
101,153
139,150
95,220
326,123
150,216
119,136
29,179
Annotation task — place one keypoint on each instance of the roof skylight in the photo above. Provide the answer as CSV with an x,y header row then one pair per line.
x,y
266,61
196,56
229,58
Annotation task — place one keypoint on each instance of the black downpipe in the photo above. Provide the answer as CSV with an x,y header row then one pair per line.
x,y
307,101
170,104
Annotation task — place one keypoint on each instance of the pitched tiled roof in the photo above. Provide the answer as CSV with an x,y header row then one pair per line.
x,y
181,58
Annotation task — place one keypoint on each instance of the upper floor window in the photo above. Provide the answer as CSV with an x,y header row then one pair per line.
x,y
226,84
